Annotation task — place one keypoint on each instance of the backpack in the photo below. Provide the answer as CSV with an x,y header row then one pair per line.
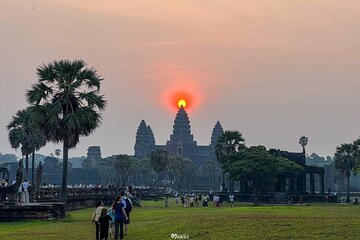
x,y
128,205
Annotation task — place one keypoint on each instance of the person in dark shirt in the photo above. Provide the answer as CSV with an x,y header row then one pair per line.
x,y
104,221
120,216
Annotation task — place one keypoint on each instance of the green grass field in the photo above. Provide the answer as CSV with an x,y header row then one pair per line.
x,y
152,221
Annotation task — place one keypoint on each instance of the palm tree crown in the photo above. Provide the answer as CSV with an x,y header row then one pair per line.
x,y
303,142
24,132
69,95
229,142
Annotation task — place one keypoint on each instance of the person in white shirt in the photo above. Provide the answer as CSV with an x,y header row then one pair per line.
x,y
192,201
231,198
26,185
21,195
95,218
214,200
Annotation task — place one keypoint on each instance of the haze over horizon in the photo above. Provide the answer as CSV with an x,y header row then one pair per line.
x,y
274,70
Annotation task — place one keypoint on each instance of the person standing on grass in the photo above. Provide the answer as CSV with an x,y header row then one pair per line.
x,y
192,201
176,199
128,209
183,200
187,200
205,201
104,221
26,185
96,216
21,194
231,198
120,216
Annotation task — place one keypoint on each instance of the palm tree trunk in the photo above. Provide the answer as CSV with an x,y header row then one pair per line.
x,y
27,166
348,187
65,171
33,169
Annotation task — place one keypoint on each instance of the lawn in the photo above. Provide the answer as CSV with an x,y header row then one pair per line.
x,y
332,221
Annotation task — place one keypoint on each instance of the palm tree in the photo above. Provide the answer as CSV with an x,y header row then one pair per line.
x,y
345,162
303,142
159,160
228,142
24,132
69,104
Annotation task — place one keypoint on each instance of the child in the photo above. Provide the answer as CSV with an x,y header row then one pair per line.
x,y
110,212
104,221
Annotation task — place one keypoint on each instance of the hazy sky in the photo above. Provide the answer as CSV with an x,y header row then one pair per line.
x,y
274,69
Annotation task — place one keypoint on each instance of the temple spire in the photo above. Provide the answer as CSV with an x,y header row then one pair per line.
x,y
181,140
145,140
216,133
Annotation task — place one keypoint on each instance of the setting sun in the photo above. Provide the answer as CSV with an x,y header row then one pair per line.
x,y
182,103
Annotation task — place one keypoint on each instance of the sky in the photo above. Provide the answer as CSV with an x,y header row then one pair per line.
x,y
274,70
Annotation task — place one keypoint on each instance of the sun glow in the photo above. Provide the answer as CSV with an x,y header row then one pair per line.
x,y
175,99
181,103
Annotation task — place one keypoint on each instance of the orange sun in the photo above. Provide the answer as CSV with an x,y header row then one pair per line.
x,y
181,103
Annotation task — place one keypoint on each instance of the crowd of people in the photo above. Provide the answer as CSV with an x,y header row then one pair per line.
x,y
114,220
80,185
195,200
22,197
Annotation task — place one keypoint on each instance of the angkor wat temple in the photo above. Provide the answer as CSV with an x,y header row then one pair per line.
x,y
182,143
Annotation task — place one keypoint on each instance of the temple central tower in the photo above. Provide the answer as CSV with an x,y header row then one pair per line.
x,y
181,140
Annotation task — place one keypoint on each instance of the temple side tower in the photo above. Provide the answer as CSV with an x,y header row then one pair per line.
x,y
216,133
145,141
94,154
181,140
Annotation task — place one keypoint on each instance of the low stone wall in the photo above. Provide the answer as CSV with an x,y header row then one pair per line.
x,y
43,211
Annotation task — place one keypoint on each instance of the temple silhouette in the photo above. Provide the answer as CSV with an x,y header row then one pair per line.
x,y
181,140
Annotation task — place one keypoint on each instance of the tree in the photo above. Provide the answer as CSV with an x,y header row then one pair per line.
x,y
209,170
303,142
144,171
106,169
345,160
178,169
258,166
315,159
68,101
123,165
228,142
4,158
159,161
24,132
87,164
